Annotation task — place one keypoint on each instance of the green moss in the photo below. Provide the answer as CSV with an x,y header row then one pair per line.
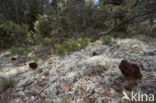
x,y
106,39
35,59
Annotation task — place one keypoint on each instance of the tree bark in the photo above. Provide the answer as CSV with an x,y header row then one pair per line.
x,y
42,6
16,11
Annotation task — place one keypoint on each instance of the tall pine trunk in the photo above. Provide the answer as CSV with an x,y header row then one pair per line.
x,y
16,11
42,7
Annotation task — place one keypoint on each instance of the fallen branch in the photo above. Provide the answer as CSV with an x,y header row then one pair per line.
x,y
46,86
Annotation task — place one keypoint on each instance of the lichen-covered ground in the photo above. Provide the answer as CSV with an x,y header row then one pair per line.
x,y
79,77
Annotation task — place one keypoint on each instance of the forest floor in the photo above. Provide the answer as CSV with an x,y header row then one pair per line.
x,y
79,77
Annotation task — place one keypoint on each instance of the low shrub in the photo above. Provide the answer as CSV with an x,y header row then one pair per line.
x,y
59,49
106,39
90,33
12,34
50,28
131,30
20,51
70,45
43,26
35,59
118,10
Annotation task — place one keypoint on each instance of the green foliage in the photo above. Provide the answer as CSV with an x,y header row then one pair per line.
x,y
64,19
53,27
84,14
70,45
35,59
120,35
43,26
59,49
106,39
20,51
64,25
33,9
47,40
131,30
117,10
11,33
90,33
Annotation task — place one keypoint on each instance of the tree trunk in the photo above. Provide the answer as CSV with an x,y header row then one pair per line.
x,y
151,21
16,11
42,7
